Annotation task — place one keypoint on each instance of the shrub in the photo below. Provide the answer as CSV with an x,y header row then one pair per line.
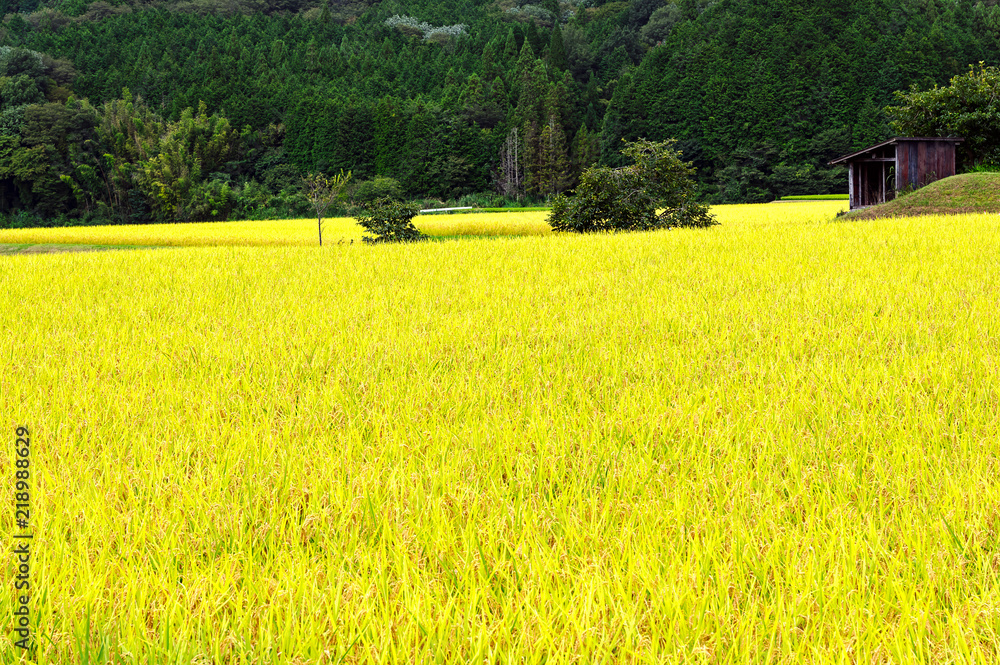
x,y
390,221
629,198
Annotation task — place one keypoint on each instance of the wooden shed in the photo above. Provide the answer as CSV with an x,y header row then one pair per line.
x,y
879,172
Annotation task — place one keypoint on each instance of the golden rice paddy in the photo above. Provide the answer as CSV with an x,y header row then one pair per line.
x,y
344,230
771,441
289,232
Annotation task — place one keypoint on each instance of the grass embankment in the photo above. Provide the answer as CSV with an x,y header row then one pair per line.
x,y
965,193
769,441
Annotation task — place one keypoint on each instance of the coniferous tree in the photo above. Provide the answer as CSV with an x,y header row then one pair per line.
x,y
557,52
510,49
532,37
554,164
583,153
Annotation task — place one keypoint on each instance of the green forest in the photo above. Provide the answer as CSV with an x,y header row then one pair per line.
x,y
215,109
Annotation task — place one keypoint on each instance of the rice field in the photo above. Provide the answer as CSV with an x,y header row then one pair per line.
x,y
286,232
772,441
344,230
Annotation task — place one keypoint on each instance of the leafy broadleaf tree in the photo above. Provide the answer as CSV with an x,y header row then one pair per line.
x,y
969,107
322,191
176,180
129,132
376,188
656,191
389,220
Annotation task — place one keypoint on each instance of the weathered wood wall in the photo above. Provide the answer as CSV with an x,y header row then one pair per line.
x,y
919,163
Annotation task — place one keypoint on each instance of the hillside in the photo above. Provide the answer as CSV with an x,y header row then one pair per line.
x,y
968,192
438,95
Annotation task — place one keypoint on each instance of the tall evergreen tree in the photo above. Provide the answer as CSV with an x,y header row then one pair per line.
x,y
557,52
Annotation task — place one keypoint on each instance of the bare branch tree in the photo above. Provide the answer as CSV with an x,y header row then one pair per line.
x,y
322,192
509,173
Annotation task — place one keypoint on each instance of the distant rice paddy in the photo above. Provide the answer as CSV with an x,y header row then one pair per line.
x,y
282,232
340,230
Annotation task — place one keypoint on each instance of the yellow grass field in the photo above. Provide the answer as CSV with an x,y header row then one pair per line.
x,y
288,232
303,232
771,441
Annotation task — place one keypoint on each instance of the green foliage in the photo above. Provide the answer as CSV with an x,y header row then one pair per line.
x,y
984,168
656,191
557,51
256,201
661,22
388,220
968,107
174,179
378,187
129,134
19,90
760,95
11,119
548,158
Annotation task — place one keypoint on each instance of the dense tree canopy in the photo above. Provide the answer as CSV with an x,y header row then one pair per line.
x,y
761,95
968,107
203,109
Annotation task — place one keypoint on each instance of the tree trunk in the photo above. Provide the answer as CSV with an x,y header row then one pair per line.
x,y
319,222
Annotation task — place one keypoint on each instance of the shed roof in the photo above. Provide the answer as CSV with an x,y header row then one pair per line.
x,y
894,141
